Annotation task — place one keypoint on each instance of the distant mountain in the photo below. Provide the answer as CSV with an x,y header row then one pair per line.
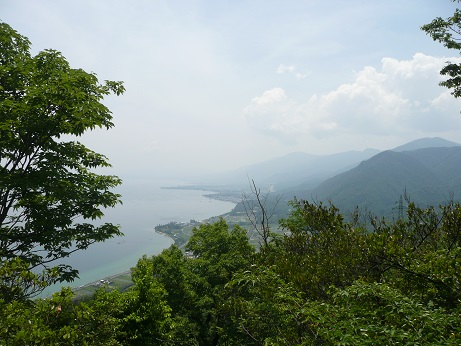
x,y
302,171
429,176
434,142
295,169
427,169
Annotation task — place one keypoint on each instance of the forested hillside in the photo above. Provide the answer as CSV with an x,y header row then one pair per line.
x,y
326,281
339,268
428,176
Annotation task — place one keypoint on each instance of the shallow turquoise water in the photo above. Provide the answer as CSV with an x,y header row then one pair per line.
x,y
145,205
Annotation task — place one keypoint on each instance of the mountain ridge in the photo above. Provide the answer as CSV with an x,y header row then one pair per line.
x,y
378,182
428,175
426,142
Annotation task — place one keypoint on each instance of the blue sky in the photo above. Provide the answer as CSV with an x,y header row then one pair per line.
x,y
215,85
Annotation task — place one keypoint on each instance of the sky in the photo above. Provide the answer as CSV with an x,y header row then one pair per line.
x,y
216,85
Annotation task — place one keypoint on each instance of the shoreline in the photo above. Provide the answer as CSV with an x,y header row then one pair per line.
x,y
101,282
122,280
224,193
115,281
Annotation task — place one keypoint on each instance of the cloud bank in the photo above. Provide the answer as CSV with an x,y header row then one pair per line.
x,y
401,97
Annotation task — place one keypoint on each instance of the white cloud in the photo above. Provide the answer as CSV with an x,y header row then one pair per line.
x,y
290,69
285,68
272,96
403,96
272,113
301,75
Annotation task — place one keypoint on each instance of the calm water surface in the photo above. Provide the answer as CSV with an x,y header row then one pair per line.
x,y
145,205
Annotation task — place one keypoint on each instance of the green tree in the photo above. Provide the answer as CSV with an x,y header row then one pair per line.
x,y
448,32
49,193
319,249
420,254
171,270
263,309
219,253
146,315
378,314
195,282
59,321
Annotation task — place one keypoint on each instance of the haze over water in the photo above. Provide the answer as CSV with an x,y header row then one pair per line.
x,y
145,205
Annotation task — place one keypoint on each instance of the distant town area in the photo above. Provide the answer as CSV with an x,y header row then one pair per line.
x,y
222,193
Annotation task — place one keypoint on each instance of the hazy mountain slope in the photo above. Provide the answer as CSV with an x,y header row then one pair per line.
x,y
433,142
445,162
428,175
293,169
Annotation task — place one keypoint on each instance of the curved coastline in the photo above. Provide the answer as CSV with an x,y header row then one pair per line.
x,y
119,277
108,280
122,280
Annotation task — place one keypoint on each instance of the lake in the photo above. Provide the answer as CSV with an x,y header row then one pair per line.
x,y
145,205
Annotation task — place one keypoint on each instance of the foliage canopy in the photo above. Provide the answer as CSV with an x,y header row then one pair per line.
x,y
325,281
49,193
448,32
